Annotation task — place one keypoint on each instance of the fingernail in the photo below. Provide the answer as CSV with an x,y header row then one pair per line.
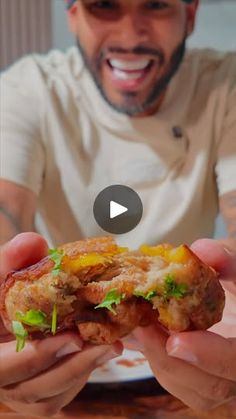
x,y
67,349
177,350
107,357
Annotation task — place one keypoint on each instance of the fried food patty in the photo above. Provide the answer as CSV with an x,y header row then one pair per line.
x,y
105,291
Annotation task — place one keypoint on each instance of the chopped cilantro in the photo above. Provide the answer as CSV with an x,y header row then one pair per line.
x,y
54,320
112,297
139,294
172,289
148,296
33,318
56,255
20,333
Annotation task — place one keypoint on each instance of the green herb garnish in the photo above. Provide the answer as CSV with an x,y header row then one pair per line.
x,y
54,320
56,255
20,333
172,289
148,296
112,297
33,318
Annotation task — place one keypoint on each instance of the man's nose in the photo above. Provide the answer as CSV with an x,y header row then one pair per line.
x,y
133,30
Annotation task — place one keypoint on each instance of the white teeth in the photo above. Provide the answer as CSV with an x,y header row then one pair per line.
x,y
123,75
129,65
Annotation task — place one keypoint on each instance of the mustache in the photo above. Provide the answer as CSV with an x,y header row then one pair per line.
x,y
139,50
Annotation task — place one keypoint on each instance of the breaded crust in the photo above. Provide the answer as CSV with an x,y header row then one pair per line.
x,y
162,284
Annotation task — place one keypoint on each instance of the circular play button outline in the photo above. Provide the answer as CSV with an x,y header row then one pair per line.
x,y
118,209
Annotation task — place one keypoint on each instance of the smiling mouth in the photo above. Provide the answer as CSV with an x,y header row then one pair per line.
x,y
129,74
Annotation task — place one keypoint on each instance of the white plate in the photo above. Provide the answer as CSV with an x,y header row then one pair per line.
x,y
131,365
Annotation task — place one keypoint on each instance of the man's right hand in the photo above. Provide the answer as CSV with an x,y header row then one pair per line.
x,y
47,374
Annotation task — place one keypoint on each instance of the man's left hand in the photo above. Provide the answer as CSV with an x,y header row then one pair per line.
x,y
198,367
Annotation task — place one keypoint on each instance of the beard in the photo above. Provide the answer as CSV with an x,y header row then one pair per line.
x,y
130,105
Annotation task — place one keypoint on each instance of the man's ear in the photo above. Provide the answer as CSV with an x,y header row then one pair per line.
x,y
191,11
72,17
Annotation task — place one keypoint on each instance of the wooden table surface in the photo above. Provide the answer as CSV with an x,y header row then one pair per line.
x,y
136,400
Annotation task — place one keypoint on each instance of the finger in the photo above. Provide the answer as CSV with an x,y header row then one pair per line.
x,y
188,396
194,387
35,357
5,335
62,400
197,348
49,406
62,376
23,250
215,255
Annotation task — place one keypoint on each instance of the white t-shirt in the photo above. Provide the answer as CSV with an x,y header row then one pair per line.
x,y
60,139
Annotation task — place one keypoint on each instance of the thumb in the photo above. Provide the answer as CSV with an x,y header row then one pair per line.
x,y
216,255
23,250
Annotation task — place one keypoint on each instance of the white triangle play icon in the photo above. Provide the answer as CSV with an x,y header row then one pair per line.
x,y
116,209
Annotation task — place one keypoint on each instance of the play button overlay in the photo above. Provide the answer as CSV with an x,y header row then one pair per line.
x,y
118,209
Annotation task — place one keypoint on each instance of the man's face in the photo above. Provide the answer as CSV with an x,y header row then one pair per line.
x,y
132,47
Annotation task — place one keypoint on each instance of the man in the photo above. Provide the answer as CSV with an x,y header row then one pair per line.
x,y
130,108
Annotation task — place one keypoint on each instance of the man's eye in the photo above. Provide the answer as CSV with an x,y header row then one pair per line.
x,y
156,5
104,9
104,4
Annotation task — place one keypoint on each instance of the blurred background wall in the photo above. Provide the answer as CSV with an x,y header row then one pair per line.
x,y
25,26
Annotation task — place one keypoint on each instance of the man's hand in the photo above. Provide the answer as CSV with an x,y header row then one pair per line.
x,y
24,250
47,374
198,367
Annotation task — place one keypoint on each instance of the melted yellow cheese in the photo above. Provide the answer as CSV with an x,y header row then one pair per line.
x,y
166,317
122,249
160,250
176,255
76,264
